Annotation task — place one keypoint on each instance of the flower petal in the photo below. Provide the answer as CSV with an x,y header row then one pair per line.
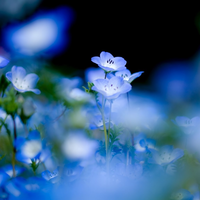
x,y
36,91
123,73
101,83
34,135
134,76
18,73
30,81
3,62
105,56
116,82
96,60
9,76
108,69
119,62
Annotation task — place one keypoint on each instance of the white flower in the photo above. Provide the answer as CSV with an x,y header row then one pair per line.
x,y
22,82
113,88
109,63
127,76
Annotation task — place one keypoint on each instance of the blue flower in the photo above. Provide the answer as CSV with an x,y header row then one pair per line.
x,y
113,88
109,63
47,175
166,155
8,169
31,149
182,194
3,62
187,125
22,82
45,33
143,144
127,76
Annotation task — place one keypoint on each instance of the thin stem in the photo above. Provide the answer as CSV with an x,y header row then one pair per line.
x,y
104,127
14,147
109,120
105,75
128,100
3,122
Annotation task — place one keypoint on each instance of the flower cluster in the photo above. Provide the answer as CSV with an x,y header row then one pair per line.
x,y
106,142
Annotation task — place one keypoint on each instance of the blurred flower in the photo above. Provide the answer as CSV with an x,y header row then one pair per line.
x,y
31,149
109,63
30,188
8,169
97,122
182,194
187,125
113,88
126,75
47,175
46,32
92,74
3,62
22,82
76,146
166,155
143,144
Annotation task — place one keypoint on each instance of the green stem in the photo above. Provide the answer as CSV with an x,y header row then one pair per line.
x,y
104,127
3,122
14,148
109,121
105,75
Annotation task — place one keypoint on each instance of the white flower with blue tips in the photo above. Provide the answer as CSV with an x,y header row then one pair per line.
x,y
22,82
107,62
113,88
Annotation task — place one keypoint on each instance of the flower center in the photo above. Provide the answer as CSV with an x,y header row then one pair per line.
x,y
110,61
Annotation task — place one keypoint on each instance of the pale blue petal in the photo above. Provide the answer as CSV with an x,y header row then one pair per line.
x,y
36,91
105,56
126,87
21,158
134,76
119,62
19,90
195,121
120,68
101,83
34,135
46,175
99,90
176,154
123,73
9,76
108,69
18,73
3,62
96,60
182,120
116,82
30,81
